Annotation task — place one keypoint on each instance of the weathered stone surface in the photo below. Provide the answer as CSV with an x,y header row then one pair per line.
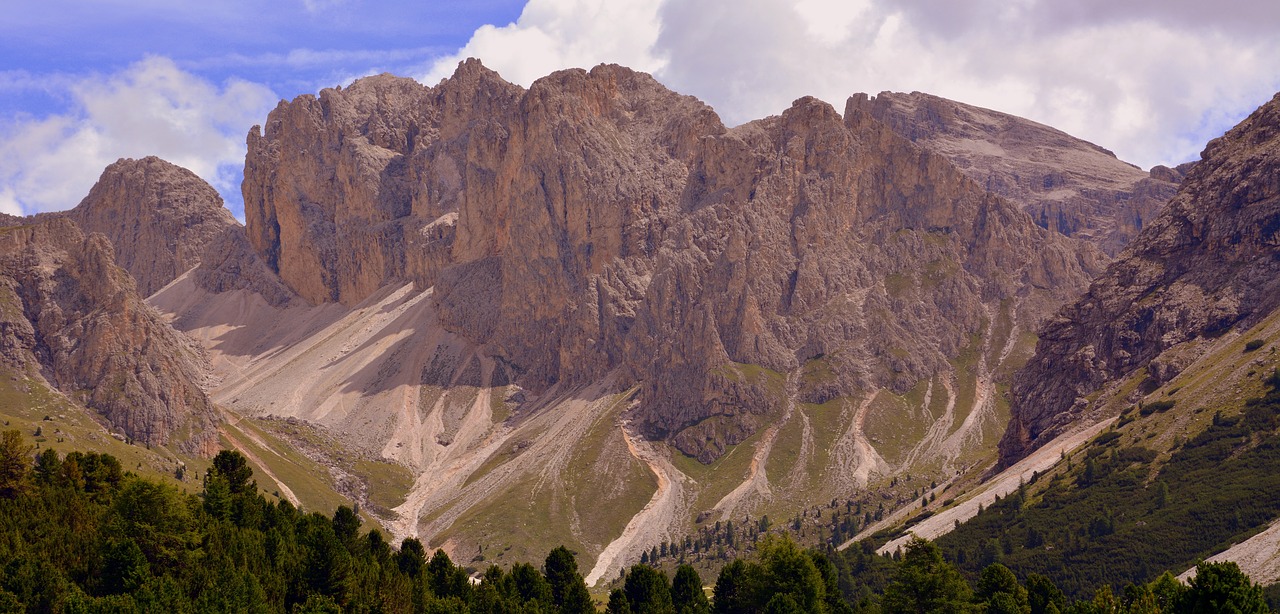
x,y
229,263
809,236
352,188
1066,184
70,315
1209,263
160,217
600,223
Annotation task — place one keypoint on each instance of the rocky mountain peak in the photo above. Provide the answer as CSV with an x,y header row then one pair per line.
x,y
1208,264
159,216
351,188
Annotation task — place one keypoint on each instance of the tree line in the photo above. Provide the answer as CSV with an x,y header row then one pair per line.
x,y
79,534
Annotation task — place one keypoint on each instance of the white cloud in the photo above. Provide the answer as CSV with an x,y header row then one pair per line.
x,y
1139,85
555,34
1150,80
150,108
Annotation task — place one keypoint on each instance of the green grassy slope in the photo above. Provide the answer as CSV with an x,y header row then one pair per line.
x,y
1190,469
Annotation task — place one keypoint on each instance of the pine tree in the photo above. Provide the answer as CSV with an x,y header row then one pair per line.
x,y
1221,587
647,590
13,464
618,603
568,590
926,583
686,592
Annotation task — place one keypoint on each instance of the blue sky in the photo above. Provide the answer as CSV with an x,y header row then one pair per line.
x,y
289,45
83,83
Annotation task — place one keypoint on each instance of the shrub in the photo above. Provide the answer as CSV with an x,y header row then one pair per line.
x,y
1253,345
1106,438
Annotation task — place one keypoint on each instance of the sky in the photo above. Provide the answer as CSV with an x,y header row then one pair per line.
x,y
85,82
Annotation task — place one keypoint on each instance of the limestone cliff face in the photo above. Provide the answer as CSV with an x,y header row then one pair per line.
x,y
352,188
1067,185
1209,263
599,223
563,244
158,216
70,315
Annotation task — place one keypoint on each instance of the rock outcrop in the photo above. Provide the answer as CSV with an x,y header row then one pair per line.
x,y
229,263
159,217
600,223
1066,184
1208,264
70,315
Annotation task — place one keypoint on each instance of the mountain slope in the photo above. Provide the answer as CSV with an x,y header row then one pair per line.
x,y
72,317
1210,264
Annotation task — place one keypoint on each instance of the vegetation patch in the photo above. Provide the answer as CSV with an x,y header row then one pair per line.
x,y
1109,521
309,481
785,452
1154,407
830,420
721,476
28,405
898,285
388,482
894,425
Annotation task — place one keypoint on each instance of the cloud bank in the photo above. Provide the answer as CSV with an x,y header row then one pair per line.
x,y
150,108
1151,80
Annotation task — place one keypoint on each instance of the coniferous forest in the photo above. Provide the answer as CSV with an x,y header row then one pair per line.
x,y
78,534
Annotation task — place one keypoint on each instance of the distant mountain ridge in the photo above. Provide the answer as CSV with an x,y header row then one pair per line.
x,y
159,216
1067,185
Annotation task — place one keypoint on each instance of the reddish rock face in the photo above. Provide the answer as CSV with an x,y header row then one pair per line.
x,y
356,187
599,223
70,315
1209,263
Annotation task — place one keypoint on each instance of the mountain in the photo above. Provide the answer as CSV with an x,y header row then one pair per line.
x,y
159,217
601,222
77,320
1067,185
1205,268
352,189
70,317
593,297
